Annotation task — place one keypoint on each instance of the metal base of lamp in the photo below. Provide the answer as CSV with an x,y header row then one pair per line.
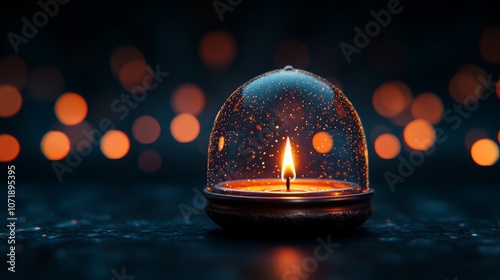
x,y
325,214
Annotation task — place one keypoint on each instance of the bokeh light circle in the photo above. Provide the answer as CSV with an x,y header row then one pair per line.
x,y
10,101
185,128
489,44
134,77
387,146
188,98
217,49
322,142
419,135
130,68
149,161
465,85
9,148
122,56
391,98
427,106
484,152
13,71
71,108
55,145
115,144
146,129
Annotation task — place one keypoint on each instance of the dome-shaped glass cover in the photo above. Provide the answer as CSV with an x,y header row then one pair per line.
x,y
251,130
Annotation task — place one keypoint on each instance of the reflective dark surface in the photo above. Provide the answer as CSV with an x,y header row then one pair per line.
x,y
89,233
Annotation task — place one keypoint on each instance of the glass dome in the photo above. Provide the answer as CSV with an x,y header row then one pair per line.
x,y
250,132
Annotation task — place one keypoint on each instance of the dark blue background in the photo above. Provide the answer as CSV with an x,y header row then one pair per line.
x,y
109,214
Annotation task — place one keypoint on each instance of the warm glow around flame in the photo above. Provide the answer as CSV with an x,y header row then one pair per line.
x,y
288,168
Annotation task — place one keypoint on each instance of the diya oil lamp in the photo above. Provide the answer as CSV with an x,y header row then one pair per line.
x,y
288,152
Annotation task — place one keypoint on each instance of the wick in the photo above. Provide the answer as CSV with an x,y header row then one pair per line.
x,y
287,184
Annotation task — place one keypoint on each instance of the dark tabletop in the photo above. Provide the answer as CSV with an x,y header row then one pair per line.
x,y
76,231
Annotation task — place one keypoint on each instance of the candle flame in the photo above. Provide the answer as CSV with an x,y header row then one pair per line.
x,y
288,168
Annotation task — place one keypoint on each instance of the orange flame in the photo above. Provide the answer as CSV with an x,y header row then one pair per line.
x,y
288,168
